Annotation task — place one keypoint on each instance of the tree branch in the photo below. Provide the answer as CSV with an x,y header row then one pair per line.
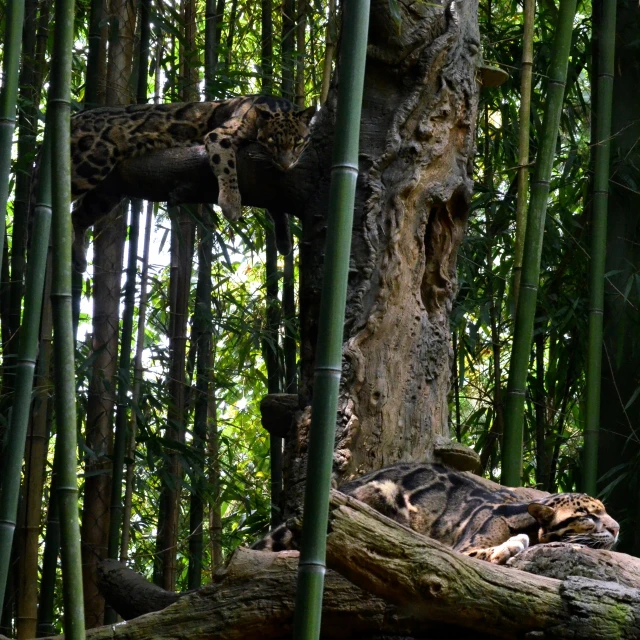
x,y
405,568
407,585
183,175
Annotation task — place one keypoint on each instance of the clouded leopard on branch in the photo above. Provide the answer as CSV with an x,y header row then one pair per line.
x,y
100,138
462,512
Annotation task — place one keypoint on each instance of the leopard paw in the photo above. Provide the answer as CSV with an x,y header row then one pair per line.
x,y
512,547
230,204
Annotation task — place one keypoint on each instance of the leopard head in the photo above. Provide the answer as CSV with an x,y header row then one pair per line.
x,y
285,134
576,518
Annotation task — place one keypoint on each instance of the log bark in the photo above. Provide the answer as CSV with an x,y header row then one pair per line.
x,y
560,560
414,185
253,599
184,176
421,575
129,594
401,584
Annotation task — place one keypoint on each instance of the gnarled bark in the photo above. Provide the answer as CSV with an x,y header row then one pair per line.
x,y
416,147
407,585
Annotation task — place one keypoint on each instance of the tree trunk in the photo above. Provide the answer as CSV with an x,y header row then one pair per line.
x,y
416,148
108,249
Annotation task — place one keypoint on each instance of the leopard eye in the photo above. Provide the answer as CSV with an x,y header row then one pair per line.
x,y
299,141
270,140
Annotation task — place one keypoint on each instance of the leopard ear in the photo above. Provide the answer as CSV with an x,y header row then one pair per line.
x,y
263,111
541,512
307,114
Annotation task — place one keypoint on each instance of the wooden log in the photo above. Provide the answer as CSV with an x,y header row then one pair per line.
x,y
253,599
407,586
560,560
129,594
423,576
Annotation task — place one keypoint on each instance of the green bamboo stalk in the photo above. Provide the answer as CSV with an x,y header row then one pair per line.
x,y
12,46
523,143
126,338
46,603
66,441
606,26
202,323
271,350
328,369
27,355
96,46
525,312
27,129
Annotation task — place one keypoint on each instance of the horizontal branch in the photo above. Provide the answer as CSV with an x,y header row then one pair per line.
x,y
398,583
405,568
183,175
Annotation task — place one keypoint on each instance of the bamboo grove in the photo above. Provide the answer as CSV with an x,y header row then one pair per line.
x,y
183,322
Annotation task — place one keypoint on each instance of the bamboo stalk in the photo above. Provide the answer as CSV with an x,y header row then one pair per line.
x,y
329,52
202,323
606,48
66,441
525,312
137,380
301,51
328,370
523,143
27,354
11,60
287,48
34,474
49,562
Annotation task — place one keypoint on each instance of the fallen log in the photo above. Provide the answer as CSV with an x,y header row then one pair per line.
x,y
129,594
560,560
253,599
428,579
406,586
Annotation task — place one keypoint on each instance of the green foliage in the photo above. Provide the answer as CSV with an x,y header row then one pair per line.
x,y
486,259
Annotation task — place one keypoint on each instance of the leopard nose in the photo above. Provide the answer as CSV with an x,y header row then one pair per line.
x,y
613,529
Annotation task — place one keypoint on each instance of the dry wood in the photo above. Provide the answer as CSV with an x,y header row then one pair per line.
x,y
422,575
559,560
436,591
253,599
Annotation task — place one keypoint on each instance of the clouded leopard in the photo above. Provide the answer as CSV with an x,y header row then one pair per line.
x,y
100,138
461,511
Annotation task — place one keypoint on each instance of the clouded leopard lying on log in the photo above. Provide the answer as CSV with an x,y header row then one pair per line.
x,y
462,512
100,138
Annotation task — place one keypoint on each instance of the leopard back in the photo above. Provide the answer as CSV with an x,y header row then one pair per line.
x,y
466,513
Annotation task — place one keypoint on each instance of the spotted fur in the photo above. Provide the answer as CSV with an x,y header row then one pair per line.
x,y
100,138
461,511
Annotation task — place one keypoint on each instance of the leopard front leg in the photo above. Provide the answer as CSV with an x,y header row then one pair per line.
x,y
221,149
502,552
